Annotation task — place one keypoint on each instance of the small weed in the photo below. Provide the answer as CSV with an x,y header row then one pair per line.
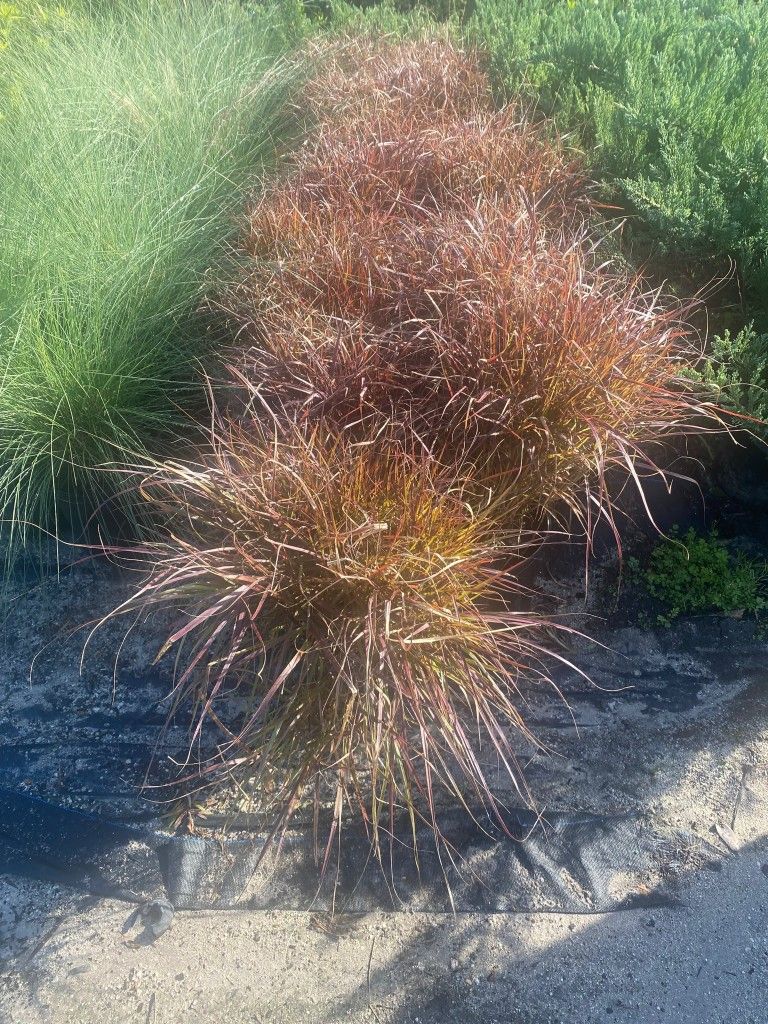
x,y
692,573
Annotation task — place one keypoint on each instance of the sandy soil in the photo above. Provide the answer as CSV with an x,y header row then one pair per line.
x,y
704,962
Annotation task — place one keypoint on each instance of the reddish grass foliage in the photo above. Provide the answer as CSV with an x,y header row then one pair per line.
x,y
425,268
361,76
424,323
357,608
371,186
498,344
401,166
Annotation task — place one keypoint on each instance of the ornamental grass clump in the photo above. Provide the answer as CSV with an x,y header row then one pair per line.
x,y
354,610
123,154
508,354
428,267
425,77
431,363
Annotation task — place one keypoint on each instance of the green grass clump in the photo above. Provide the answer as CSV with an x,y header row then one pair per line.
x,y
38,19
670,100
122,156
693,573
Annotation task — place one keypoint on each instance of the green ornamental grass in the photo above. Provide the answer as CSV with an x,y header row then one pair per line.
x,y
122,154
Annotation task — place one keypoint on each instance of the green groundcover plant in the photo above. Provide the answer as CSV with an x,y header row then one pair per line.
x,y
695,573
738,372
669,98
122,156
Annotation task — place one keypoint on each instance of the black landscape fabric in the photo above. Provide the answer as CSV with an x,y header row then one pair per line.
x,y
562,863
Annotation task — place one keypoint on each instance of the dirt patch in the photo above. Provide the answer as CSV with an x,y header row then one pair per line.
x,y
672,728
